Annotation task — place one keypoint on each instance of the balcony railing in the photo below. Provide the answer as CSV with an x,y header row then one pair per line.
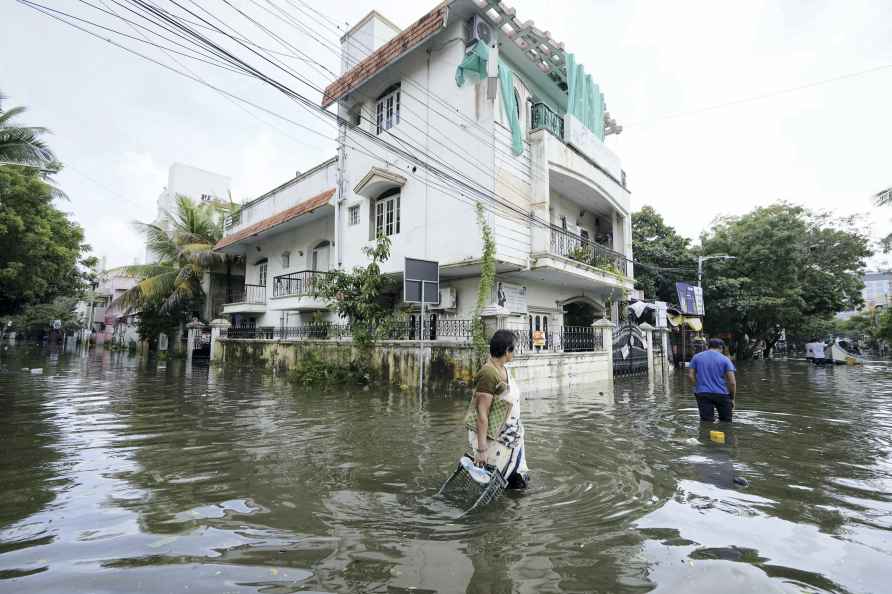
x,y
249,294
543,117
297,284
570,245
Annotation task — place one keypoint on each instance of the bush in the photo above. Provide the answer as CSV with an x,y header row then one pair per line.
x,y
312,370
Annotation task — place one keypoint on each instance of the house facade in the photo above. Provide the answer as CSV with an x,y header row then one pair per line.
x,y
467,110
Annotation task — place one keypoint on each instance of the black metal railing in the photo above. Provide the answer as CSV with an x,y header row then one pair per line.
x,y
585,251
297,284
254,294
544,117
569,339
403,329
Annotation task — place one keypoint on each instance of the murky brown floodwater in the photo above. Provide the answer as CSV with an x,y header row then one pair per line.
x,y
120,475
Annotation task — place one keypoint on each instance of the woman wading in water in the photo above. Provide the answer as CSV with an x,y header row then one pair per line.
x,y
495,433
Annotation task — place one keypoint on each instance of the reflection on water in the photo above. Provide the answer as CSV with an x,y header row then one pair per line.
x,y
119,474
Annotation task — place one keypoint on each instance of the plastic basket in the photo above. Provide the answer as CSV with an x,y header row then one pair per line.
x,y
462,487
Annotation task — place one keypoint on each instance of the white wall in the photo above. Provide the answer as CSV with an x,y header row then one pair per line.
x,y
319,179
369,34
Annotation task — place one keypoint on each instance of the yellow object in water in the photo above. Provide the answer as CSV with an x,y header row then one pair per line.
x,y
717,436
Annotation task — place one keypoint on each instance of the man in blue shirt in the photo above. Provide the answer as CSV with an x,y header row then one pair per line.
x,y
714,383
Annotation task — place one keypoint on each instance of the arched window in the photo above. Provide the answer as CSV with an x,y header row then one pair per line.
x,y
321,256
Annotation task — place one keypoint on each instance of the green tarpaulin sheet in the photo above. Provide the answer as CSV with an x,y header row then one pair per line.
x,y
509,102
584,98
474,63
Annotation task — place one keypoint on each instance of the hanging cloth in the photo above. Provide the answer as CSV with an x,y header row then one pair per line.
x,y
584,99
474,63
509,102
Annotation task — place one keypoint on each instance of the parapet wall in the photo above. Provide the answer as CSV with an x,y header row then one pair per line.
x,y
446,365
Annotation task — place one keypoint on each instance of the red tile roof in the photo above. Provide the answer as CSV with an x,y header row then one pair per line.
x,y
410,38
302,208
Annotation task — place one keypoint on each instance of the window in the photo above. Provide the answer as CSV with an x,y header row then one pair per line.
x,y
261,273
387,109
206,197
286,260
353,215
387,214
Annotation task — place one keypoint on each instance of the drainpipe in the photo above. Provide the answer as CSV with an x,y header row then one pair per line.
x,y
342,159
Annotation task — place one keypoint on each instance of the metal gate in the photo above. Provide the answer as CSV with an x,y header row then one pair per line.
x,y
629,350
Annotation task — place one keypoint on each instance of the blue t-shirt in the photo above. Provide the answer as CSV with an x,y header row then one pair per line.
x,y
711,367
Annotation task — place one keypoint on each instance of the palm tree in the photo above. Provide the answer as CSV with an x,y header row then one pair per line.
x,y
22,145
183,242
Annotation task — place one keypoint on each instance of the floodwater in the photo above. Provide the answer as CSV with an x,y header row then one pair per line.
x,y
119,474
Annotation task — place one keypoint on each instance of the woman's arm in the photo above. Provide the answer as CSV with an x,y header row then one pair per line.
x,y
484,403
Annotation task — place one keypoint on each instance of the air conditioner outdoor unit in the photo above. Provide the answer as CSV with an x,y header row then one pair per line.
x,y
477,29
448,299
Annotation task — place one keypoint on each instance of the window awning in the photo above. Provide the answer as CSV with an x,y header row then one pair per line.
x,y
377,181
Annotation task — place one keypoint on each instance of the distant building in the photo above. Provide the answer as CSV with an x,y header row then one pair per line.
x,y
877,289
197,184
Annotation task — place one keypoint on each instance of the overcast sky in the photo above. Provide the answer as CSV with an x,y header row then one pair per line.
x,y
677,75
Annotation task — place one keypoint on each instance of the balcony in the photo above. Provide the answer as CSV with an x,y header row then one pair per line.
x,y
297,284
544,118
577,149
246,299
581,250
297,291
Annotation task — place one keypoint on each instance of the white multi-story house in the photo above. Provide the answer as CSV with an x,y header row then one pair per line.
x,y
466,106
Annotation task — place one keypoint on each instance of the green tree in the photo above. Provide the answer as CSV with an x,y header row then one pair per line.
x,y
183,244
22,144
40,247
793,266
665,256
36,321
365,296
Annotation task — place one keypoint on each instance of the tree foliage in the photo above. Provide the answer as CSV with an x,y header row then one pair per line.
x,y
40,247
36,321
183,245
364,295
792,266
22,144
665,255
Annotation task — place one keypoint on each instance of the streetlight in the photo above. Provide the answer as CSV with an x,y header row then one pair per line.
x,y
702,259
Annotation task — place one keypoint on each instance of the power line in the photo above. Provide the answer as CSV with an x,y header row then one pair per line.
x,y
527,217
762,96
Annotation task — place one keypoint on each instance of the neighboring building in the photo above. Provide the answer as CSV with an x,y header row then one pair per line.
x,y
197,184
104,319
533,155
877,292
877,289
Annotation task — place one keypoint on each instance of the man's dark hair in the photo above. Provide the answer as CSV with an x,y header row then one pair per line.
x,y
501,342
716,343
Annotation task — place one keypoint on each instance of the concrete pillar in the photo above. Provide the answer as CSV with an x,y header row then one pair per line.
x,y
605,328
193,327
493,318
648,345
217,326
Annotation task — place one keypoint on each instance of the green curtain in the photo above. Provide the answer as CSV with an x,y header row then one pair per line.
x,y
509,102
473,64
584,98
